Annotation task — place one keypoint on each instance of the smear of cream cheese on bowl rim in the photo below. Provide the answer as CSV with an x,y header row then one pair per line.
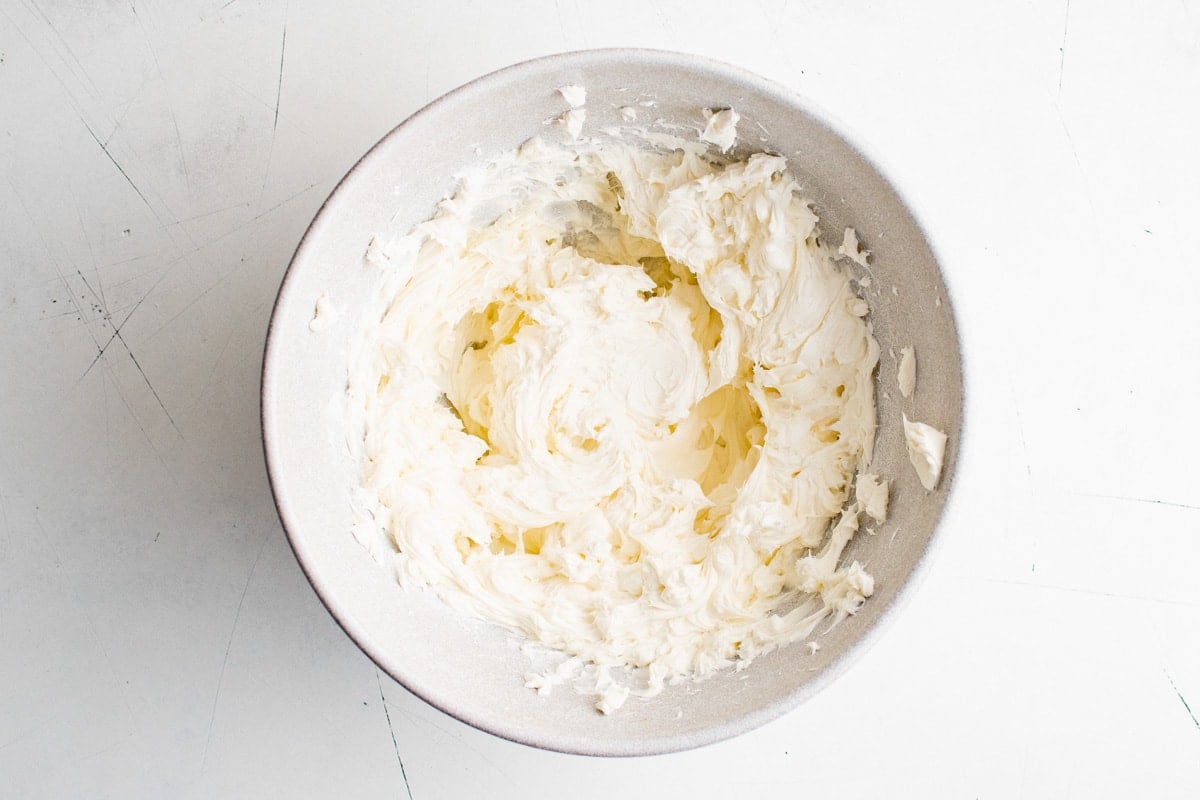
x,y
620,401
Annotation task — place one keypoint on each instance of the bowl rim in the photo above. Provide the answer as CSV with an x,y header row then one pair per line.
x,y
743,723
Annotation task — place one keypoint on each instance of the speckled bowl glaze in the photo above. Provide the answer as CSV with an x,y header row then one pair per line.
x,y
473,670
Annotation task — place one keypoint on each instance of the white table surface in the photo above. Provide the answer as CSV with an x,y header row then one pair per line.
x,y
159,161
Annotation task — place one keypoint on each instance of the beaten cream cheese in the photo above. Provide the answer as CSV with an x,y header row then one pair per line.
x,y
616,400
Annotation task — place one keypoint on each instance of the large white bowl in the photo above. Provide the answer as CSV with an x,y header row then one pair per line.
x,y
470,669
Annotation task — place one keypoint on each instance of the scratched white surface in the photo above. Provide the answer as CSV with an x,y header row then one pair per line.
x,y
159,162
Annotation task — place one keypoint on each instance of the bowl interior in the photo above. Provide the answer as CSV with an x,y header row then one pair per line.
x,y
473,670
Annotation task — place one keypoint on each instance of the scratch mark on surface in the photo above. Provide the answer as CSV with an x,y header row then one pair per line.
x,y
125,107
154,212
166,271
79,310
117,336
391,730
112,672
92,257
37,520
187,178
464,743
102,750
278,97
204,214
1182,699
1062,49
124,400
1078,165
224,276
138,423
149,385
1021,433
71,296
239,265
120,169
1149,500
293,123
37,51
201,394
100,348
279,83
117,329
20,737
61,278
229,646
82,73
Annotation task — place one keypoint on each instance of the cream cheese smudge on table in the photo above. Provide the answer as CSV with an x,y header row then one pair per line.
x,y
615,398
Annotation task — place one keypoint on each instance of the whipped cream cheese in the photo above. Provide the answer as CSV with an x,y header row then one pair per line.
x,y
616,397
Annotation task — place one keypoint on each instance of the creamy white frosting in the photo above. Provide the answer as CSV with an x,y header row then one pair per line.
x,y
614,398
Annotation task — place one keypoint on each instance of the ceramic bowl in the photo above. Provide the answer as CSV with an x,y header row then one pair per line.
x,y
473,670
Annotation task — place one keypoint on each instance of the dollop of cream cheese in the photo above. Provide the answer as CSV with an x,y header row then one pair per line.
x,y
324,314
575,96
614,397
572,121
720,127
852,249
926,450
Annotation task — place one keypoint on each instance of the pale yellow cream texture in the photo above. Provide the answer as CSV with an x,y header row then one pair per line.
x,y
615,402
